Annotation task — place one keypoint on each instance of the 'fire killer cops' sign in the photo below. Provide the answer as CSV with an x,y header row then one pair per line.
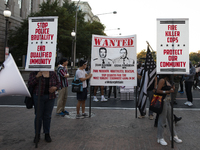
x,y
172,46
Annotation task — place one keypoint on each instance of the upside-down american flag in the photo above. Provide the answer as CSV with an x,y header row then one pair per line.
x,y
148,77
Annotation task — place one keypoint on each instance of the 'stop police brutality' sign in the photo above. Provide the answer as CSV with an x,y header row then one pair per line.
x,y
172,46
42,43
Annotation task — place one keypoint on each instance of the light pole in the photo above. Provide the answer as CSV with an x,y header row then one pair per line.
x,y
7,14
73,34
114,12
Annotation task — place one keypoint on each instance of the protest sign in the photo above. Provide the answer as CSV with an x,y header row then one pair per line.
x,y
42,41
172,46
114,61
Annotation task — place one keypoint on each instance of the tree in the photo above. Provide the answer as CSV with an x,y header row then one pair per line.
x,y
141,56
18,39
195,57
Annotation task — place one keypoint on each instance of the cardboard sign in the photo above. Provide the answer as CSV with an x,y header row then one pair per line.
x,y
114,61
172,46
42,42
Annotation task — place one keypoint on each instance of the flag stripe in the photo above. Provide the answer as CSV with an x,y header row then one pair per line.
x,y
148,77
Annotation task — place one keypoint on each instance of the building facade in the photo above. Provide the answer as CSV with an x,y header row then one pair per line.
x,y
85,7
20,9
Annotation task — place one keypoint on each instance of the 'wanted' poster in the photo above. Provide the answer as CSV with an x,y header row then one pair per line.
x,y
42,41
114,61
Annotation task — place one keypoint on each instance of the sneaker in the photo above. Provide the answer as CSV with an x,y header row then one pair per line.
x,y
176,139
66,112
140,117
186,103
84,114
189,104
61,114
47,138
78,116
181,92
95,99
151,117
103,99
162,141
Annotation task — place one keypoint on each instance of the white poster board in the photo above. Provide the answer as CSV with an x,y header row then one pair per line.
x,y
173,46
114,61
42,42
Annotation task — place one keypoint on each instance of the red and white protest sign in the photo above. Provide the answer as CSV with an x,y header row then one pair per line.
x,y
42,42
114,61
172,46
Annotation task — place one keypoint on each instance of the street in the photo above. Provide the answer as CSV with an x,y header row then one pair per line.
x,y
112,102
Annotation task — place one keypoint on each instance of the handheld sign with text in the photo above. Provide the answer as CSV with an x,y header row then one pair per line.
x,y
172,46
42,41
113,61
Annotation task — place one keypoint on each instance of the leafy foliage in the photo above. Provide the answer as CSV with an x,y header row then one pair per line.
x,y
18,38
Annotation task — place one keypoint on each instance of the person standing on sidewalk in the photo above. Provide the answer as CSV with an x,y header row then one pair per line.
x,y
82,96
63,90
103,99
189,81
49,84
165,89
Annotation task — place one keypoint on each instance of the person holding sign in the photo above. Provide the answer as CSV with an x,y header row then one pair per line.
x,y
189,81
63,91
165,89
49,84
82,96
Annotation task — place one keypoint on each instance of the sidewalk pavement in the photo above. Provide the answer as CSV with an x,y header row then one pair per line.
x,y
107,129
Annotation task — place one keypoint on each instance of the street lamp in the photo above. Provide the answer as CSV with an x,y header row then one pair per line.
x,y
73,34
7,14
114,12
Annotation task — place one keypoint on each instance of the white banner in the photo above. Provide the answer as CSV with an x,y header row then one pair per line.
x,y
42,42
114,61
172,46
11,80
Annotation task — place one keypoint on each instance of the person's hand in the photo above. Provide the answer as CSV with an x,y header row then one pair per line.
x,y
90,75
171,90
52,89
39,74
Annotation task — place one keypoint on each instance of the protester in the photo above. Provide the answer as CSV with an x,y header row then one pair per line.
x,y
164,88
189,81
176,84
49,84
114,91
176,119
82,96
63,90
103,99
181,85
198,76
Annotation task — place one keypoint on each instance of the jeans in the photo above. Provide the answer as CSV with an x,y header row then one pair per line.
x,y
150,96
166,114
45,111
188,89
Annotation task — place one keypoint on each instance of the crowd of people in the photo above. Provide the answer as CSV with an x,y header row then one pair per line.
x,y
164,86
52,81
